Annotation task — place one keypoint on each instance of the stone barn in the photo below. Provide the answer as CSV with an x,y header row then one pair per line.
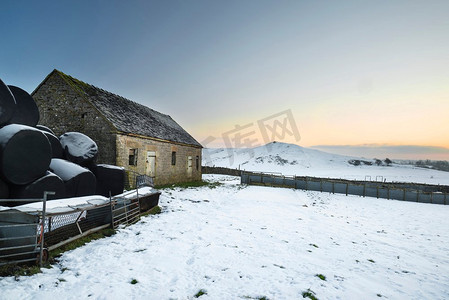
x,y
127,133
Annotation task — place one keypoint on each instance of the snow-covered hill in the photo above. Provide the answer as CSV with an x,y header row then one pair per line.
x,y
290,159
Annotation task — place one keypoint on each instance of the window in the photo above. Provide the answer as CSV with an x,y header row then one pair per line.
x,y
173,158
197,163
133,157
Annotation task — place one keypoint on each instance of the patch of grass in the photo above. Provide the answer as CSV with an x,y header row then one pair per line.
x,y
79,242
321,276
152,211
140,250
309,294
19,270
372,261
186,185
134,281
314,245
279,266
200,293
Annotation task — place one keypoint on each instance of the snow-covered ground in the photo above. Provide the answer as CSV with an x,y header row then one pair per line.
x,y
245,242
290,159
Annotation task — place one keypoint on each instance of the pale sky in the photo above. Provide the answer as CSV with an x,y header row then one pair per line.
x,y
350,72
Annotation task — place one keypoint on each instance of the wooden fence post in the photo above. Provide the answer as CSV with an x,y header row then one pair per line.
x,y
321,184
431,197
347,187
333,187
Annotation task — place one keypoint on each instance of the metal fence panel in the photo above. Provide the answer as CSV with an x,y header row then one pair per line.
x,y
340,188
397,194
314,185
290,182
424,198
327,186
438,198
125,211
19,239
356,189
268,180
371,191
301,184
411,196
387,190
255,178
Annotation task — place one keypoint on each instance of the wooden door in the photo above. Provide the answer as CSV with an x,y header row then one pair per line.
x,y
189,166
150,165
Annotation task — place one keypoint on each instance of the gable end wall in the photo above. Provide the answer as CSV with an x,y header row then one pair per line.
x,y
63,109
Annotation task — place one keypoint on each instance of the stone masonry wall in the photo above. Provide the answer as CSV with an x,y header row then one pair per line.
x,y
63,109
165,173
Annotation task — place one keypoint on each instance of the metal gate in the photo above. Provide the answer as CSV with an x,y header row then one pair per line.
x,y
125,210
21,233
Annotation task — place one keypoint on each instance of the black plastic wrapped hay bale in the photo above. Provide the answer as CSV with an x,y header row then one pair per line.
x,y
56,148
25,154
45,128
34,190
27,112
78,181
7,104
109,179
79,148
4,190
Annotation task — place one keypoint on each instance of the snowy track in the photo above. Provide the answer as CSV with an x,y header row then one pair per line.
x,y
236,242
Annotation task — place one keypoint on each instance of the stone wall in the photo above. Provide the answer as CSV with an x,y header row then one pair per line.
x,y
63,109
165,172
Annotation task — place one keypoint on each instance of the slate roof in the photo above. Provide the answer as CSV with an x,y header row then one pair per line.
x,y
131,117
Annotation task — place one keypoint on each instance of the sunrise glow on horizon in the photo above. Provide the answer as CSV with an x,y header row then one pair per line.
x,y
352,73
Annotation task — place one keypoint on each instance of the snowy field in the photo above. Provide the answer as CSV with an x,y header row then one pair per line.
x,y
248,242
290,159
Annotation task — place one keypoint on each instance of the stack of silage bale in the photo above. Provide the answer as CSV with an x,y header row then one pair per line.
x,y
33,159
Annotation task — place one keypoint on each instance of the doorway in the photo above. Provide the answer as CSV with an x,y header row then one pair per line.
x,y
150,164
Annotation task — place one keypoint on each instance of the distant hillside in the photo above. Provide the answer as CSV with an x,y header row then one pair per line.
x,y
290,159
